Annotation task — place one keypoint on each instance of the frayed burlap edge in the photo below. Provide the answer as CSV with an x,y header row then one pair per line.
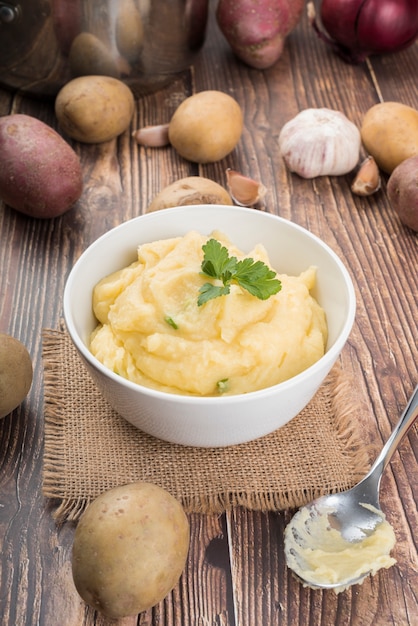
x,y
344,407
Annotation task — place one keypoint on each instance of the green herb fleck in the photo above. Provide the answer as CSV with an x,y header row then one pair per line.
x,y
254,276
222,385
171,322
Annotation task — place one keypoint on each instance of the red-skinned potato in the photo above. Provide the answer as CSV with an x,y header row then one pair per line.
x,y
256,29
40,174
67,22
402,190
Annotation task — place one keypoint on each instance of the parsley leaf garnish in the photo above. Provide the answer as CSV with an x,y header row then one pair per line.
x,y
171,322
222,385
254,276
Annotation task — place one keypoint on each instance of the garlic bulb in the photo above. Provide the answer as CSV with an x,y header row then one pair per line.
x,y
320,142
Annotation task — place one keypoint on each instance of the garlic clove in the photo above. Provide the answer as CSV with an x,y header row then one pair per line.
x,y
244,190
367,180
152,136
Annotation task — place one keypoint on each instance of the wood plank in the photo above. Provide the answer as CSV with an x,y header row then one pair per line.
x,y
236,574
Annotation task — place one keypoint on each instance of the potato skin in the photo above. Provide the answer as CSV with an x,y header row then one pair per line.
x,y
190,190
40,174
206,126
402,190
129,30
16,373
94,109
130,548
256,30
390,134
90,56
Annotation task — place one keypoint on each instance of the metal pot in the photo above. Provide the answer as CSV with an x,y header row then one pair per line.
x,y
144,43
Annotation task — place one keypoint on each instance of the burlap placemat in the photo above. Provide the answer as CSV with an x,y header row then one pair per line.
x,y
89,448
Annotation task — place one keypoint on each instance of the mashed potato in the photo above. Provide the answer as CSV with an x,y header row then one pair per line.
x,y
332,559
152,331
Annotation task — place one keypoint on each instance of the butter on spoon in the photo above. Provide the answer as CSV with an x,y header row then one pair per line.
x,y
339,539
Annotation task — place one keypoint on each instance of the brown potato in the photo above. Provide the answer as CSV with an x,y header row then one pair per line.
x,y
40,174
190,190
94,109
390,134
90,56
206,126
130,548
15,373
402,190
129,30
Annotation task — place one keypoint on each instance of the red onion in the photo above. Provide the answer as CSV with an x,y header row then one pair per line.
x,y
359,28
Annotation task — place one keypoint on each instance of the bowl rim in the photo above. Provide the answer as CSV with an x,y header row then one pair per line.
x,y
329,355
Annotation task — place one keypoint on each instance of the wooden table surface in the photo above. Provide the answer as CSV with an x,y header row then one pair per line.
x,y
235,574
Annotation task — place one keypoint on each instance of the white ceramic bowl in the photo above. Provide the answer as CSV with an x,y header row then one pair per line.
x,y
224,420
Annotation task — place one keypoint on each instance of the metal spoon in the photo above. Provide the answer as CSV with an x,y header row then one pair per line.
x,y
354,513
